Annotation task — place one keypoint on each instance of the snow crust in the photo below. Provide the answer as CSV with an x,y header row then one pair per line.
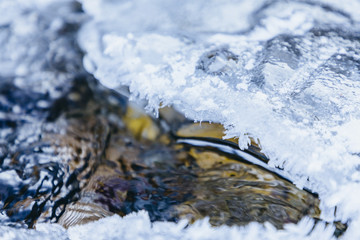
x,y
137,226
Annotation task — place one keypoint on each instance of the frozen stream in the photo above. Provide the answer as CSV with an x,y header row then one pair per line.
x,y
284,72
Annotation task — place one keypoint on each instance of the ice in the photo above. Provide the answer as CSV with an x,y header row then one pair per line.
x,y
138,226
115,226
43,231
283,72
288,76
39,57
33,55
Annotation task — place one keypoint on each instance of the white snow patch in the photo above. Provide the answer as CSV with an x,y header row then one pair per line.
x,y
137,226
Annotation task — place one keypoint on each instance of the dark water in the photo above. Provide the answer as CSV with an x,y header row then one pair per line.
x,y
96,155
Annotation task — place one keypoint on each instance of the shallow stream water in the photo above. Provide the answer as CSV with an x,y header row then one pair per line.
x,y
96,155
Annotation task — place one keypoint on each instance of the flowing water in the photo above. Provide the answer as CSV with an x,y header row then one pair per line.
x,y
95,155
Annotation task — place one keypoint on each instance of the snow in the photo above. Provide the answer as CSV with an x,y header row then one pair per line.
x,y
42,232
116,227
283,72
137,226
